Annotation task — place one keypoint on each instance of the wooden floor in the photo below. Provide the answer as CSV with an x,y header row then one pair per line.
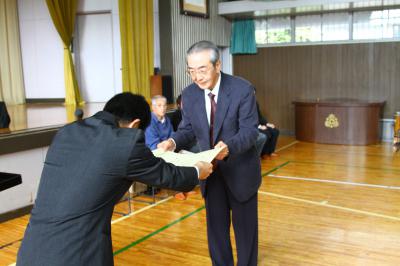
x,y
318,205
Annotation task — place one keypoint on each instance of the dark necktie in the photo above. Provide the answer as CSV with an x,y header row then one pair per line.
x,y
212,118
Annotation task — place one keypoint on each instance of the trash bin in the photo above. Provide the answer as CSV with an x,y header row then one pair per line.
x,y
387,129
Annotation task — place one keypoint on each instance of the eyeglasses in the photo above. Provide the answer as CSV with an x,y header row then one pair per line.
x,y
202,71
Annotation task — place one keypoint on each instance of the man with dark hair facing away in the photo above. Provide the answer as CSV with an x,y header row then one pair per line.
x,y
89,166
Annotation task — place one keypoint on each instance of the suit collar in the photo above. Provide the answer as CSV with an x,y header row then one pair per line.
x,y
106,117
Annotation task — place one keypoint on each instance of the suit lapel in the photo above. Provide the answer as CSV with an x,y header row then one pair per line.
x,y
222,107
200,110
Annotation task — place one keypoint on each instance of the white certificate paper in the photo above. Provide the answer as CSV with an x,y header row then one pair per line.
x,y
187,159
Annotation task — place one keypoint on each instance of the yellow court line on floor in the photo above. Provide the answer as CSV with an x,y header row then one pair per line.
x,y
141,210
333,181
288,145
324,204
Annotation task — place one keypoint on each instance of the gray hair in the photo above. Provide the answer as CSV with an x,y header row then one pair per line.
x,y
204,46
156,98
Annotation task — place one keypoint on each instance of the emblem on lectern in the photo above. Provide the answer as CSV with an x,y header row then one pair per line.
x,y
331,121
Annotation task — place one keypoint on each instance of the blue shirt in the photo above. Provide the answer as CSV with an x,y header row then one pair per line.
x,y
157,131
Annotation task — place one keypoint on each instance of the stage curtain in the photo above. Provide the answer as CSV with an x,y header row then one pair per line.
x,y
62,13
136,26
243,38
11,75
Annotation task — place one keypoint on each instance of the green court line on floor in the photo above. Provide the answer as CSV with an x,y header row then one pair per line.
x,y
157,231
276,168
346,165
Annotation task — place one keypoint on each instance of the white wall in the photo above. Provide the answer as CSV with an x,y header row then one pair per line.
x,y
29,164
42,51
95,73
226,59
102,6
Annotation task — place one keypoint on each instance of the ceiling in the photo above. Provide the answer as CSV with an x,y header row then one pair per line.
x,y
269,8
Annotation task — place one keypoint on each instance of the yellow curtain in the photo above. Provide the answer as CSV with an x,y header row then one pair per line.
x,y
11,77
136,26
62,13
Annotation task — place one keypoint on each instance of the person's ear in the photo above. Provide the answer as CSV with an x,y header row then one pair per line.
x,y
134,124
218,66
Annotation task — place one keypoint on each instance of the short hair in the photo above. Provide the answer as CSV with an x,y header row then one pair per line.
x,y
204,46
127,107
156,98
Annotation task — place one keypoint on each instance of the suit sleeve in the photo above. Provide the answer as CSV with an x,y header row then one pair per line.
x,y
184,135
247,134
145,168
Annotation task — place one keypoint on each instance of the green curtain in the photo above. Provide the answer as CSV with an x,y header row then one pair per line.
x,y
243,38
62,13
136,26
11,77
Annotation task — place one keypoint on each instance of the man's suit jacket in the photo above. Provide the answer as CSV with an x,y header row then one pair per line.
x,y
88,167
235,123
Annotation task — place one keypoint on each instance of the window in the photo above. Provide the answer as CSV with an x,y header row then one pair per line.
x,y
392,28
279,30
335,26
261,31
367,3
368,25
308,28
376,24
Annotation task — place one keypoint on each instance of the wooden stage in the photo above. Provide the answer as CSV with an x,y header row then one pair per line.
x,y
34,116
41,115
319,204
34,125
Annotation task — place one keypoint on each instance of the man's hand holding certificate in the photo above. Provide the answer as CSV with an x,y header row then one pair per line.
x,y
187,159
201,160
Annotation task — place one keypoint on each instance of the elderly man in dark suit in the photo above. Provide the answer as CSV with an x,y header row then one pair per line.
x,y
89,166
220,111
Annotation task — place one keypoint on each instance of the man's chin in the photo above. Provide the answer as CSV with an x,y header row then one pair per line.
x,y
203,86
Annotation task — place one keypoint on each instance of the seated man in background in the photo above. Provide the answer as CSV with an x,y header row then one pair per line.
x,y
176,115
160,128
271,133
89,166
